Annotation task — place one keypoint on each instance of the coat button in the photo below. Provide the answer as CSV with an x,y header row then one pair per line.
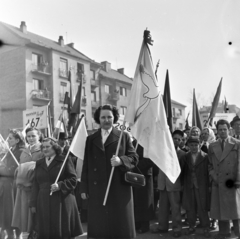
x,y
95,183
95,169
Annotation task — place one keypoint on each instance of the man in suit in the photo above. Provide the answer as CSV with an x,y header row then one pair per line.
x,y
169,196
224,169
235,123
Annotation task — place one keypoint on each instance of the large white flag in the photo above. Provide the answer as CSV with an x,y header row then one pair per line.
x,y
147,117
78,144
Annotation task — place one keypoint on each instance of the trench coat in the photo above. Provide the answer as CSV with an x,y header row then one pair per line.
x,y
201,170
57,215
116,218
143,196
6,188
22,216
225,165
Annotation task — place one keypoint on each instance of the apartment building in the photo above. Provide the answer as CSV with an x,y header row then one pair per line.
x,y
36,71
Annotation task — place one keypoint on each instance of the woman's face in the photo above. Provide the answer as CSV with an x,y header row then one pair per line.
x,y
12,141
32,137
106,119
47,149
205,135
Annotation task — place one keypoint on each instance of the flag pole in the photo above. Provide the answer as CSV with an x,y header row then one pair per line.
x,y
112,171
9,150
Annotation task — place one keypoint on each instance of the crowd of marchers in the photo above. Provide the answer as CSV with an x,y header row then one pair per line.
x,y
207,189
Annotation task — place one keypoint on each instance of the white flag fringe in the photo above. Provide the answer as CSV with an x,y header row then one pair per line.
x,y
147,118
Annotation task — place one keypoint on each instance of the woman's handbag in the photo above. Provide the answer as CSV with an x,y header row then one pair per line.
x,y
135,179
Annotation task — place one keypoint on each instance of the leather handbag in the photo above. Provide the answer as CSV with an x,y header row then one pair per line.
x,y
135,179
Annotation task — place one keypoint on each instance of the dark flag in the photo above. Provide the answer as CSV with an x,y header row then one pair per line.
x,y
186,123
167,102
195,113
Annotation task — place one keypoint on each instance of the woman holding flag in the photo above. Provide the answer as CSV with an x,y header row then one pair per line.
x,y
56,214
116,218
8,166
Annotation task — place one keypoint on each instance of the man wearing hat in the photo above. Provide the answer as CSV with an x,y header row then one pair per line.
x,y
224,169
169,196
235,124
196,195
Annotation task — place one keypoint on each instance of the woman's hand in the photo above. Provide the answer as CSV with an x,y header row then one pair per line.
x,y
84,196
54,187
115,161
33,210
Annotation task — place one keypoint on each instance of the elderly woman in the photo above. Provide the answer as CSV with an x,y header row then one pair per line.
x,y
17,144
57,214
195,132
207,137
22,217
116,218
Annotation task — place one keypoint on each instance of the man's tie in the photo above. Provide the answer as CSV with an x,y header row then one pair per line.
x,y
222,144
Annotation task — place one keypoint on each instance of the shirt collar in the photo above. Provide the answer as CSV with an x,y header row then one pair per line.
x,y
108,130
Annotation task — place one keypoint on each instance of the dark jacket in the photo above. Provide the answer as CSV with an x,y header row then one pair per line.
x,y
115,219
57,215
201,171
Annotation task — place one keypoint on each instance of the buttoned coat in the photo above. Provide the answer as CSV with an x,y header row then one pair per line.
x,y
202,177
224,165
116,218
57,215
163,180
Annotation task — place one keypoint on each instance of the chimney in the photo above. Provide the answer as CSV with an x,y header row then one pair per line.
x,y
61,41
71,45
23,27
121,71
106,66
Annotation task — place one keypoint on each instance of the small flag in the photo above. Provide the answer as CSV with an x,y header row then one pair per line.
x,y
58,127
226,108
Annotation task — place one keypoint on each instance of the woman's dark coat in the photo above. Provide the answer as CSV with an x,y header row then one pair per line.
x,y
6,187
143,196
116,218
201,168
57,215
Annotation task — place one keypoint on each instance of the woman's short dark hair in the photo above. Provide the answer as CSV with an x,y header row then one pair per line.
x,y
222,122
38,131
56,147
17,134
106,107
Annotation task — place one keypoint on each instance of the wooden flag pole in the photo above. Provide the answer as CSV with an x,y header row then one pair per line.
x,y
112,171
9,150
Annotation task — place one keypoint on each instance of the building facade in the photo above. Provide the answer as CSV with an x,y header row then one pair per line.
x,y
178,113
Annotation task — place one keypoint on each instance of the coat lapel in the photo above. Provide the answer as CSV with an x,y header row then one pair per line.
x,y
98,140
113,137
43,164
217,149
199,159
228,147
55,161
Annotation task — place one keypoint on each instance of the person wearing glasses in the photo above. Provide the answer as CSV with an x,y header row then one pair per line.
x,y
57,214
22,217
8,166
116,218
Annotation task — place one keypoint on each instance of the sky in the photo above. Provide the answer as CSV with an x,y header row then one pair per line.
x,y
198,41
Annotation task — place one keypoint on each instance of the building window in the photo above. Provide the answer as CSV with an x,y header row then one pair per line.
x,y
123,91
63,70
123,110
180,112
83,91
38,84
107,89
93,96
92,75
80,68
180,126
63,90
36,59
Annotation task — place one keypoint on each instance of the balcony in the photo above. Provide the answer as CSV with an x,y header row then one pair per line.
x,y
84,101
94,83
81,78
114,96
42,69
63,73
95,104
40,95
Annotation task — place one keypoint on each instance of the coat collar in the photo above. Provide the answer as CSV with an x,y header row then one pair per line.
x,y
199,159
218,150
113,137
55,161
